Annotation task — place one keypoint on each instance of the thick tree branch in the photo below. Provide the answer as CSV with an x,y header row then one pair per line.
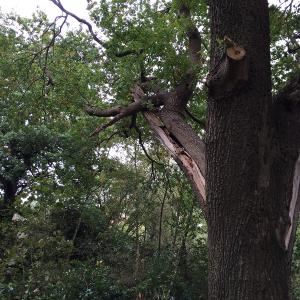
x,y
185,161
185,89
120,112
194,38
95,111
185,136
181,156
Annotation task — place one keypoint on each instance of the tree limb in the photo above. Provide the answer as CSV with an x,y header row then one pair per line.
x,y
119,112
80,20
193,35
185,161
92,32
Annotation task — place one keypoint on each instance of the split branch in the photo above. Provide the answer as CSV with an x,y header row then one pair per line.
x,y
180,155
176,150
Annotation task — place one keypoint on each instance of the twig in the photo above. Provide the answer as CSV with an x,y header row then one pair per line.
x,y
200,122
143,147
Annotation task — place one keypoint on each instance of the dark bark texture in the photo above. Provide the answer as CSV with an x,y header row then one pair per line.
x,y
249,183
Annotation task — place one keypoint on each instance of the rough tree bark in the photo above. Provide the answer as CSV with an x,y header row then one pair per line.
x,y
247,215
250,159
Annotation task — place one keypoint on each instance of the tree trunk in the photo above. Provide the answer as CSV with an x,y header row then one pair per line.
x,y
246,257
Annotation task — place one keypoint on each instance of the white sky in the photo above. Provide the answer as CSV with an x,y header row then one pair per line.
x,y
27,7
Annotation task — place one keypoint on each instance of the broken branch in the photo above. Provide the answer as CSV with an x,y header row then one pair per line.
x,y
231,72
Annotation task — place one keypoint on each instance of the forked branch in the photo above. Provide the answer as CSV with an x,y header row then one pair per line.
x,y
120,112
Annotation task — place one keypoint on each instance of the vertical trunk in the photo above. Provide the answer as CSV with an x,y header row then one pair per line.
x,y
246,260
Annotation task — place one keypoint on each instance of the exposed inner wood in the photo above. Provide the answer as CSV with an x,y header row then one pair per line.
x,y
293,203
236,52
231,73
176,150
184,160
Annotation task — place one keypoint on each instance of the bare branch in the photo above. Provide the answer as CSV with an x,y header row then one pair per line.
x,y
110,112
119,113
184,160
92,32
177,151
80,20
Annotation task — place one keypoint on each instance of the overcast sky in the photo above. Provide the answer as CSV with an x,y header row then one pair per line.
x,y
27,7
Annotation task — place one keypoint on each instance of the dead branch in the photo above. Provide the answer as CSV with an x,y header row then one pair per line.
x,y
176,150
180,155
